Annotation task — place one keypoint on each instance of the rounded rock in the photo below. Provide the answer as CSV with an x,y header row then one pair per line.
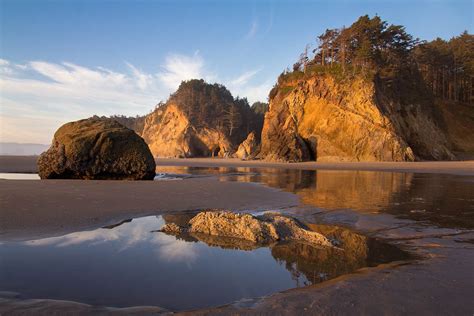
x,y
97,148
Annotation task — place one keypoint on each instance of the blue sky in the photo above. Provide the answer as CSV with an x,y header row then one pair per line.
x,y
65,60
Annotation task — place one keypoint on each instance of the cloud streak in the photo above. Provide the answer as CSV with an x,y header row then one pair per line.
x,y
253,30
38,97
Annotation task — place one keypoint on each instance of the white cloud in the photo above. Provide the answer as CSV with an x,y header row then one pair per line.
x,y
253,30
5,67
245,86
244,78
139,231
180,67
143,80
257,92
37,97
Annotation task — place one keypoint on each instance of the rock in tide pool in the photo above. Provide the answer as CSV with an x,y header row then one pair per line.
x,y
264,229
97,148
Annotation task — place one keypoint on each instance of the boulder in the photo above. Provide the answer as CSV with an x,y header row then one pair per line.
x,y
248,149
263,230
96,148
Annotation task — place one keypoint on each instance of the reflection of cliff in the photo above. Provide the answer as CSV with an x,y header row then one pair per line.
x,y
359,190
442,200
317,264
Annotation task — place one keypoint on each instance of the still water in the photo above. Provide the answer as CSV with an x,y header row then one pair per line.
x,y
441,200
132,264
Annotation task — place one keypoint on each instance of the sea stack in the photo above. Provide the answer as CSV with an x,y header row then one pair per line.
x,y
97,148
200,120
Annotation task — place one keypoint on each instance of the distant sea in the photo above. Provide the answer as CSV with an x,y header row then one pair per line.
x,y
20,149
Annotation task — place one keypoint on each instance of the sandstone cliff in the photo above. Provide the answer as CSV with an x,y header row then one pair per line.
x,y
319,117
199,120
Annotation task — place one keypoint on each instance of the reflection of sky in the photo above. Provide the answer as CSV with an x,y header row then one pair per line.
x,y
19,176
128,235
132,264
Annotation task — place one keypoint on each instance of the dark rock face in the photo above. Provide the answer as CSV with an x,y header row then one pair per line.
x,y
97,148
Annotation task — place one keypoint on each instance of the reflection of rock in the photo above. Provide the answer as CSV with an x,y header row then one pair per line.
x,y
96,149
225,242
180,219
263,229
299,256
248,149
118,224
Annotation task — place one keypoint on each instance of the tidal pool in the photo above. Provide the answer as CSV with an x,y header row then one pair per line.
x,y
440,200
131,264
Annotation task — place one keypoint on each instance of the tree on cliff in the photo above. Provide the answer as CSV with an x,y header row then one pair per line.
x,y
371,45
213,106
368,42
448,66
232,118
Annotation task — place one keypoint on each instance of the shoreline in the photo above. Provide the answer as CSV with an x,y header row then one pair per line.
x,y
438,283
27,164
446,167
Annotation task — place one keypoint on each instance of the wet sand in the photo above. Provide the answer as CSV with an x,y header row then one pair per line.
x,y
445,167
27,164
19,164
439,283
34,208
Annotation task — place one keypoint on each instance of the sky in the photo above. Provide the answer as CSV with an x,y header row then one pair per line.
x,y
66,60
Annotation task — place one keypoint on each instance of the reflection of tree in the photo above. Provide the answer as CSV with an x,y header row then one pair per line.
x,y
316,264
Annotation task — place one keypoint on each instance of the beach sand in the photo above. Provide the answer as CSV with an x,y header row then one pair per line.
x,y
34,208
27,164
439,284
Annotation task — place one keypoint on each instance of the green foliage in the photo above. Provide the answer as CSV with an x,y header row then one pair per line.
x,y
213,106
286,90
134,123
259,108
448,66
373,49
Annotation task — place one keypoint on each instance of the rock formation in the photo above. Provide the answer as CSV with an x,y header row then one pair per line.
x,y
320,118
248,149
96,148
262,230
199,120
346,252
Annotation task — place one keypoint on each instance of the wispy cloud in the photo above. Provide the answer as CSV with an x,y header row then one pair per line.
x,y
181,67
245,77
252,30
39,96
125,237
